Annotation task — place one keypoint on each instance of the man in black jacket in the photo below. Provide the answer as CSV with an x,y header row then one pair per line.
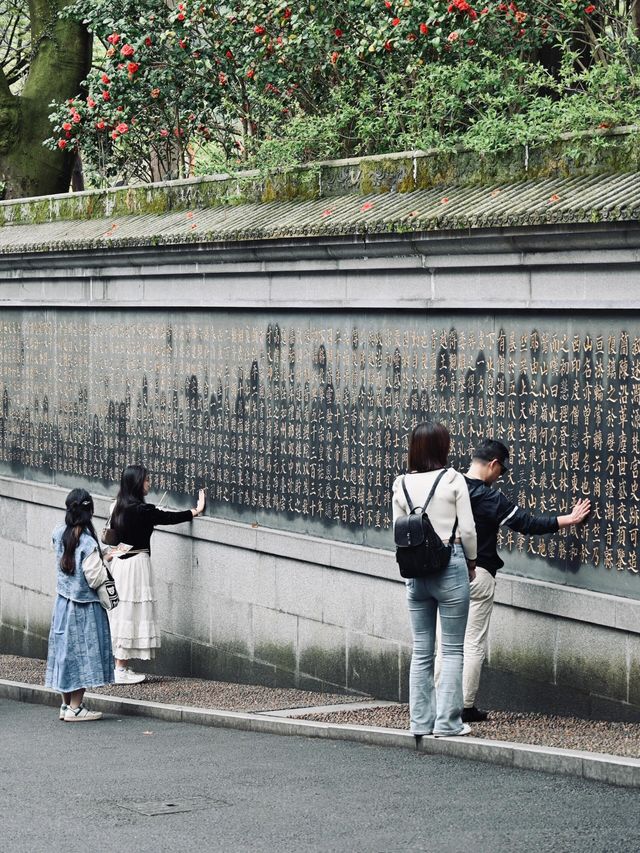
x,y
491,509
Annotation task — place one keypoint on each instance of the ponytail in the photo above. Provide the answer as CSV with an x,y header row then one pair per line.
x,y
79,505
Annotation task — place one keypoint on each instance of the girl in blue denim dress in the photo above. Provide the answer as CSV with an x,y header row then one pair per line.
x,y
79,640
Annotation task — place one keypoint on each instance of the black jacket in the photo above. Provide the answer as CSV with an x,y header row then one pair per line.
x,y
139,521
491,509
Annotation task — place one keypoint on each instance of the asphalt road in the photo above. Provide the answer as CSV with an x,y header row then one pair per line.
x,y
67,787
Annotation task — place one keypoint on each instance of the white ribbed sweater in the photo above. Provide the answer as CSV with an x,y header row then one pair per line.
x,y
450,500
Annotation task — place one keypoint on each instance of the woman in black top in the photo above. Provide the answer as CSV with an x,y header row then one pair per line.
x,y
134,631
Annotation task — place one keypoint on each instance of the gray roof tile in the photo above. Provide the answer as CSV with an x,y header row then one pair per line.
x,y
551,200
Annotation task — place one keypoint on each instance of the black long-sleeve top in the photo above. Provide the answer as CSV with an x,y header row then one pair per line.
x,y
140,519
491,509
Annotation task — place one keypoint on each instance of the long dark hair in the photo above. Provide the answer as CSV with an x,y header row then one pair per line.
x,y
131,493
428,447
79,505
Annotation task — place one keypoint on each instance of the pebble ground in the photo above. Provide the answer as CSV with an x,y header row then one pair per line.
x,y
614,738
196,692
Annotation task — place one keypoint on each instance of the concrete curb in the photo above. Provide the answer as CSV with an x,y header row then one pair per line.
x,y
611,769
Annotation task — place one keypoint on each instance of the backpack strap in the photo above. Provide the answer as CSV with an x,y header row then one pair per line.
x,y
406,494
453,532
433,488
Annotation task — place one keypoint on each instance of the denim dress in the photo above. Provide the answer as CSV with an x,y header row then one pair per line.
x,y
79,640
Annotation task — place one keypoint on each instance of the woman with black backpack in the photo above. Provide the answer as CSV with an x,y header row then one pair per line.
x,y
437,577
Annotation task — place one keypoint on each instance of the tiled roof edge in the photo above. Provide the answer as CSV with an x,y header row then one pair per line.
x,y
598,152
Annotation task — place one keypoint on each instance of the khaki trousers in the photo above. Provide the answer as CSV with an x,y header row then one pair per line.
x,y
476,637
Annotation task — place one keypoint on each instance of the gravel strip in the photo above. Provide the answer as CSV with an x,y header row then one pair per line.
x,y
195,692
538,729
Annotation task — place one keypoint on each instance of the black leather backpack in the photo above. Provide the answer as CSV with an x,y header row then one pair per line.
x,y
419,550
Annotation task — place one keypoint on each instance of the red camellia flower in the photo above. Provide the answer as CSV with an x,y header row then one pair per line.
x,y
148,41
287,14
395,22
181,16
62,143
424,29
127,50
122,127
106,96
164,132
454,36
155,92
132,67
334,57
251,73
229,54
338,33
76,119
222,79
412,37
259,30
114,38
183,43
105,79
388,45
387,3
90,102
114,135
100,125
67,125
590,9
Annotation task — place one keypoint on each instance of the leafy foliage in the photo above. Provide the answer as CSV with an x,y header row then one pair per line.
x,y
15,42
262,82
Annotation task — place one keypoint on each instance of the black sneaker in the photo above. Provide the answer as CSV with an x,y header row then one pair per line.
x,y
474,715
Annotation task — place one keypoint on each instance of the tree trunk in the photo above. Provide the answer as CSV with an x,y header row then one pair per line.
x,y
62,59
635,15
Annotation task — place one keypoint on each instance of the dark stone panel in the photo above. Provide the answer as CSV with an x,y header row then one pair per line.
x,y
219,665
300,419
510,691
17,641
327,665
374,671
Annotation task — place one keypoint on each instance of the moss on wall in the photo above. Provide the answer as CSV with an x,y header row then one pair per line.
x,y
581,154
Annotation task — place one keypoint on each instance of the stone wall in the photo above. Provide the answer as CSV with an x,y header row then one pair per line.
x,y
250,604
263,597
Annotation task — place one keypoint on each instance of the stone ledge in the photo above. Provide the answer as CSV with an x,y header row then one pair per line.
x,y
573,603
611,769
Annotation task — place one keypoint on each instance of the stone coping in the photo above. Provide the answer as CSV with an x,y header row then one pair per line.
x,y
567,602
610,769
570,155
197,219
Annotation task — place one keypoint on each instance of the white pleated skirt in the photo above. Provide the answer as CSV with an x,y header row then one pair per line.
x,y
134,631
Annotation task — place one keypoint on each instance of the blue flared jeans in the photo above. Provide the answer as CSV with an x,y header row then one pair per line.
x,y
447,593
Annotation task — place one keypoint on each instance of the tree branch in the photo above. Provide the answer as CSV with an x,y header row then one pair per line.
x,y
6,96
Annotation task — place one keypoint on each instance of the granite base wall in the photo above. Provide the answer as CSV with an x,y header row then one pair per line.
x,y
255,605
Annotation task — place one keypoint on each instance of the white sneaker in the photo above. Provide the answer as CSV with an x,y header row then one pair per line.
x,y
81,715
126,676
466,730
63,710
